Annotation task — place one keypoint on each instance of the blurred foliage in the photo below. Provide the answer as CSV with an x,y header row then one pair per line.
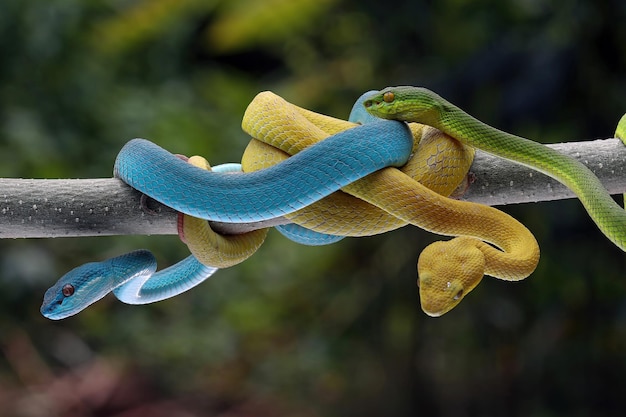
x,y
308,331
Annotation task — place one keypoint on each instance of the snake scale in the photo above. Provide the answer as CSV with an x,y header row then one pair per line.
x,y
333,178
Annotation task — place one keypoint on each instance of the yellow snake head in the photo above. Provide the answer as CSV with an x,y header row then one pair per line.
x,y
448,271
406,104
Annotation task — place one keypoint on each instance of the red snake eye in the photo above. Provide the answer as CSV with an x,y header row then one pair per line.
x,y
388,97
67,290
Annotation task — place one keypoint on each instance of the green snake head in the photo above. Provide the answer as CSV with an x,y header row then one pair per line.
x,y
408,104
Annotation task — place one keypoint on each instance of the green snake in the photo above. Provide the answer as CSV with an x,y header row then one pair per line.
x,y
420,105
415,104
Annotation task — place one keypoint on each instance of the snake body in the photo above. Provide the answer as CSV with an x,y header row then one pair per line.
x,y
283,129
303,179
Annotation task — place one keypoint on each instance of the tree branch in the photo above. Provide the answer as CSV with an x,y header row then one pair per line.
x,y
35,208
500,182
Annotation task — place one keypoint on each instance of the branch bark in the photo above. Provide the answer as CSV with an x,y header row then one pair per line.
x,y
36,208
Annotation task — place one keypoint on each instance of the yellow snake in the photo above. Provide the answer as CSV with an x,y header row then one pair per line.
x,y
385,200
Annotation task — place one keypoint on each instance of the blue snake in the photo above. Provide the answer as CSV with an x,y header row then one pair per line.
x,y
303,179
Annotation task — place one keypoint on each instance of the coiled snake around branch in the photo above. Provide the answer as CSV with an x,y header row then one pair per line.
x,y
332,179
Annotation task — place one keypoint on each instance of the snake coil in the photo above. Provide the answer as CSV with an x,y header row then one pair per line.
x,y
334,178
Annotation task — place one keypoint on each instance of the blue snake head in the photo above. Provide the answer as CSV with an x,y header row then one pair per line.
x,y
88,283
358,114
75,291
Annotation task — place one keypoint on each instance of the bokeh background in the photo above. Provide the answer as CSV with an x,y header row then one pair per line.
x,y
308,331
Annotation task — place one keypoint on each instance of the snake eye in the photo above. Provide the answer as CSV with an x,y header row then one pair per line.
x,y
389,97
67,290
458,295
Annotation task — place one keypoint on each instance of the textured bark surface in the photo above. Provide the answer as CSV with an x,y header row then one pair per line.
x,y
32,208
500,182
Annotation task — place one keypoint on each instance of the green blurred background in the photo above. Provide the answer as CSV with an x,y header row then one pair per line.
x,y
308,331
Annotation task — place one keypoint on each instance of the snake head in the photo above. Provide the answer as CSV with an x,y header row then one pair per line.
x,y
74,292
88,283
448,271
406,103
